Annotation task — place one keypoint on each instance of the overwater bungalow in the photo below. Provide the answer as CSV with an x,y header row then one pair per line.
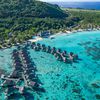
x,y
76,57
11,90
29,71
43,47
16,74
18,65
26,62
38,89
34,79
24,53
53,50
64,53
30,68
27,95
31,83
27,58
18,68
24,67
25,50
14,96
73,57
31,76
59,57
15,57
57,53
71,53
48,49
15,54
17,61
33,45
38,44
64,59
36,48
8,83
62,56
36,86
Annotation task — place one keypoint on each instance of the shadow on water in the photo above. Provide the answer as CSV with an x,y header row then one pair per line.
x,y
39,89
1,56
28,96
15,96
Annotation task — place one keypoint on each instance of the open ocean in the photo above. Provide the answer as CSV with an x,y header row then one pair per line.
x,y
83,5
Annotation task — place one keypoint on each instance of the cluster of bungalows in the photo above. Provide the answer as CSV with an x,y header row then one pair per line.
x,y
24,72
58,53
29,71
9,85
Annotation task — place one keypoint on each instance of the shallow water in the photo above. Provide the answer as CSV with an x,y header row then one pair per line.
x,y
65,81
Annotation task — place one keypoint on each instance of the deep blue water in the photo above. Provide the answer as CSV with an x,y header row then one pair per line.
x,y
83,5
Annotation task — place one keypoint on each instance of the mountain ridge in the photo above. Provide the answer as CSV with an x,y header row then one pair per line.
x,y
30,8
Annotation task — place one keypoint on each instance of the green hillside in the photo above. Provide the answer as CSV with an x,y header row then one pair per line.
x,y
23,18
29,8
88,17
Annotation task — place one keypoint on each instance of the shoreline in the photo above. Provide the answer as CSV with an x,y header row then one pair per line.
x,y
38,38
72,32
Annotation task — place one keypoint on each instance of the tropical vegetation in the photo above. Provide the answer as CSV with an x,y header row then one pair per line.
x,y
21,19
89,18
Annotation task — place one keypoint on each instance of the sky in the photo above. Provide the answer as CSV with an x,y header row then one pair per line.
x,y
69,0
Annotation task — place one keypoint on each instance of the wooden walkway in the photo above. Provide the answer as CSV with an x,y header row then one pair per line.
x,y
10,79
26,83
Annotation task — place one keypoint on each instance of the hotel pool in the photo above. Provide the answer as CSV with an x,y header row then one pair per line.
x,y
79,81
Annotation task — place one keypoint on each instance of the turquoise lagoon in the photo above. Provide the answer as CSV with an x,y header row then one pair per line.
x,y
77,81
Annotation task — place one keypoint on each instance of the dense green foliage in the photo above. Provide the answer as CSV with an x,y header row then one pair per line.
x,y
88,17
23,18
29,8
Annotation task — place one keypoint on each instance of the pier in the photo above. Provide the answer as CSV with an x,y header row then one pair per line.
x,y
24,71
11,79
25,81
59,54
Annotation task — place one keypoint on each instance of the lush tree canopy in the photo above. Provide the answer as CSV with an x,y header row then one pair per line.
x,y
23,18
